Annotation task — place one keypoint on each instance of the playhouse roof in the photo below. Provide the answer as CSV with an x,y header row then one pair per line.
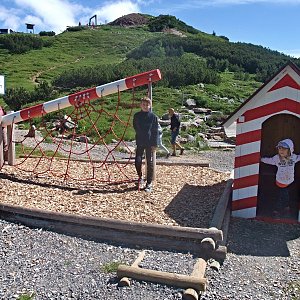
x,y
287,76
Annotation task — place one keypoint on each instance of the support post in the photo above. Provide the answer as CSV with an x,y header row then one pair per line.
x,y
11,145
1,145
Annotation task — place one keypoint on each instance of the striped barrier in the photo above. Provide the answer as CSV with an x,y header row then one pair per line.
x,y
81,97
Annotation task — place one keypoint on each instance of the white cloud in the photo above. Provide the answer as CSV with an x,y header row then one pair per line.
x,y
10,18
111,11
56,15
224,2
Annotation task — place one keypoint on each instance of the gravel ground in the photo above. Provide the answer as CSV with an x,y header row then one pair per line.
x,y
262,263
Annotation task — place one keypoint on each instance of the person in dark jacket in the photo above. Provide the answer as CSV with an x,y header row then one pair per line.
x,y
145,124
175,126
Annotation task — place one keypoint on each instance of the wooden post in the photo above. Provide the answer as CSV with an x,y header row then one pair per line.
x,y
199,272
208,244
11,145
1,145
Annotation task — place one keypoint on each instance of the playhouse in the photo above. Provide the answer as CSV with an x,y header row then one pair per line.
x,y
271,114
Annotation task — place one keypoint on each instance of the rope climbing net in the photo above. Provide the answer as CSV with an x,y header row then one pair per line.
x,y
76,139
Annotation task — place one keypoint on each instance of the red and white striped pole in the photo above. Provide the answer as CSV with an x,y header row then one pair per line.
x,y
80,98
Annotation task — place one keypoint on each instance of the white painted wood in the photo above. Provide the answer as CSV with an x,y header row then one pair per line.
x,y
239,194
247,171
248,148
245,213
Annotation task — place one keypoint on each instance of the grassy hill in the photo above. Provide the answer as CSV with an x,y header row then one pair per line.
x,y
205,67
103,45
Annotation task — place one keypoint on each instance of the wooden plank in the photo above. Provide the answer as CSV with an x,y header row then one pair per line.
x,y
199,272
225,226
220,210
130,238
1,145
154,229
203,163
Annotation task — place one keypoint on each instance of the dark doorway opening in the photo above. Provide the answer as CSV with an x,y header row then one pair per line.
x,y
274,129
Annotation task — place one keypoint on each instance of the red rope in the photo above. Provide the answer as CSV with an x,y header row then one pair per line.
x,y
108,170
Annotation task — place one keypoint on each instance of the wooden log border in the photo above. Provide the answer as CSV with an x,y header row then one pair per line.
x,y
125,161
219,214
129,233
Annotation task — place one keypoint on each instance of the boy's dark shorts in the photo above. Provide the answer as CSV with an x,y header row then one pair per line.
x,y
174,135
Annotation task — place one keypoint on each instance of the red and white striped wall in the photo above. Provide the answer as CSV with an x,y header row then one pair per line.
x,y
280,95
79,98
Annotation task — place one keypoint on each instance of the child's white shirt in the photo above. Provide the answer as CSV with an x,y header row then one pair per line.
x,y
285,167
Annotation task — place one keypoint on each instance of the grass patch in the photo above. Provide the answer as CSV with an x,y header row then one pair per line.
x,y
25,151
27,296
110,267
294,290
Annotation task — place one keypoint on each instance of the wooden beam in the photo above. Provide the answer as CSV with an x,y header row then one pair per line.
x,y
183,281
199,272
11,145
127,160
153,229
221,207
1,146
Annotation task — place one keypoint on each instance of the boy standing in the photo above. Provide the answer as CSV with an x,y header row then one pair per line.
x,y
145,124
285,162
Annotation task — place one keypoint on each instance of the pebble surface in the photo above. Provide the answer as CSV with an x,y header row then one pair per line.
x,y
262,263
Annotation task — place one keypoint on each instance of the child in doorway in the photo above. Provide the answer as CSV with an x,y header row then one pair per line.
x,y
285,162
145,123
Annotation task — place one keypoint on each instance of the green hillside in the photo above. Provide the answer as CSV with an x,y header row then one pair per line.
x,y
70,50
215,72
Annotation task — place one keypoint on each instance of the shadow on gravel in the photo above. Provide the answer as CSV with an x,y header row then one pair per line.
x,y
256,238
194,205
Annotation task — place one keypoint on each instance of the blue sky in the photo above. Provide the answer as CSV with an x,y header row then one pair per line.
x,y
270,23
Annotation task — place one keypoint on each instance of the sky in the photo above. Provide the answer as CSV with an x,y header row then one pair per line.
x,y
270,23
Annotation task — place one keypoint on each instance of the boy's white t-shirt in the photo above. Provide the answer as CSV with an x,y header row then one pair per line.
x,y
285,168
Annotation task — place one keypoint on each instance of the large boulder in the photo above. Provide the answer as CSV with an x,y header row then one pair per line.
x,y
190,103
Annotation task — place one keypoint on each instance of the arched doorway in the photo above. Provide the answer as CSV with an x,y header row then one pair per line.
x,y
274,129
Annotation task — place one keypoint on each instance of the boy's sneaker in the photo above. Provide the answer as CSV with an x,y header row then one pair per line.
x,y
173,154
148,188
181,151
